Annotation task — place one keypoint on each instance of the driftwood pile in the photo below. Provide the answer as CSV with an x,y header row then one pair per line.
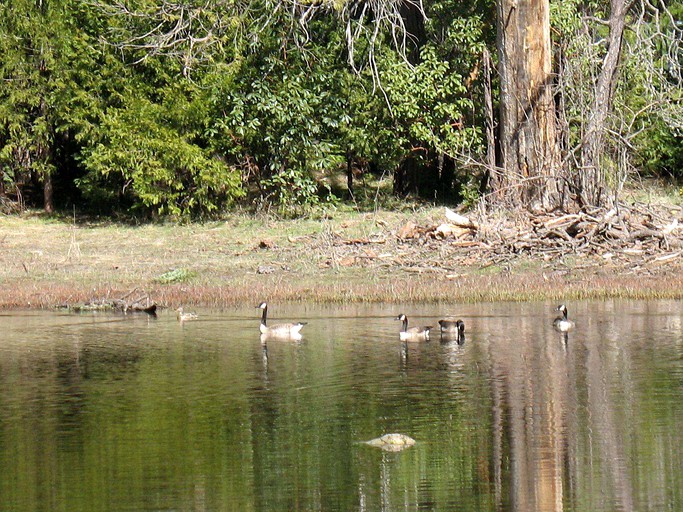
x,y
631,237
141,304
632,234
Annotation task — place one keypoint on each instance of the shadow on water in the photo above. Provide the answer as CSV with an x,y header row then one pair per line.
x,y
102,413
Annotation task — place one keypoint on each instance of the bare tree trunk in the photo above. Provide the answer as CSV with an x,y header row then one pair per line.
x,y
530,157
48,194
591,183
349,173
43,154
489,116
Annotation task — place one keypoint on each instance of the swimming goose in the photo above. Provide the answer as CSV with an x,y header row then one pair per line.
x,y
451,329
452,326
414,333
289,330
184,317
561,323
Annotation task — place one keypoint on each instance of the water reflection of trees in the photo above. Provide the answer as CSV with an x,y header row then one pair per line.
x,y
514,419
566,412
532,396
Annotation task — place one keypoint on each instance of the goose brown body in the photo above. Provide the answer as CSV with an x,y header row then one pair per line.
x,y
412,333
283,330
452,326
452,330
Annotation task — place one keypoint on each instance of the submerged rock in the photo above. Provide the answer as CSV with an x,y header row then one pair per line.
x,y
392,442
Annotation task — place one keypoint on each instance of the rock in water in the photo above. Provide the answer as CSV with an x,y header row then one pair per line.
x,y
392,442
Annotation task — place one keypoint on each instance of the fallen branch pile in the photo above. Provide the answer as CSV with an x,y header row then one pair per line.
x,y
141,304
633,237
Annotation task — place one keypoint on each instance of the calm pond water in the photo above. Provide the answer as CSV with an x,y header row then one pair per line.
x,y
104,412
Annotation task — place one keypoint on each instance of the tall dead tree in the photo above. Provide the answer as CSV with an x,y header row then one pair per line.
x,y
528,139
590,180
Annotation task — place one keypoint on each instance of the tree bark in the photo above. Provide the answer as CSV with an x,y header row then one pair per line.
x,y
349,173
591,184
48,194
529,151
491,162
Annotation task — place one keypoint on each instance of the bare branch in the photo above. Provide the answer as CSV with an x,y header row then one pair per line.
x,y
183,29
189,29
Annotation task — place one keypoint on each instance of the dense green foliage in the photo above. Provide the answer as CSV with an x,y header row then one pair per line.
x,y
96,104
267,118
125,135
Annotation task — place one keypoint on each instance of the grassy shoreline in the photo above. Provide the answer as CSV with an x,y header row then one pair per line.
x,y
45,294
345,257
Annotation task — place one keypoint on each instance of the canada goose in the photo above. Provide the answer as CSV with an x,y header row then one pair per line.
x,y
452,329
290,330
184,317
414,333
561,323
452,326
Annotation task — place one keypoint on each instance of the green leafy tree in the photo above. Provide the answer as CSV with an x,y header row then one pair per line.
x,y
35,46
72,109
431,108
282,118
155,148
299,104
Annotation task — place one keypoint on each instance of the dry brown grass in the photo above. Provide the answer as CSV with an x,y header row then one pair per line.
x,y
44,263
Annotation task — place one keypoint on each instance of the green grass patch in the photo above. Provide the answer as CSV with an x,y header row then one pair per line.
x,y
177,275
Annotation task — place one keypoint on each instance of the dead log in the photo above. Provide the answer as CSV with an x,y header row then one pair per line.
x,y
121,305
645,233
460,220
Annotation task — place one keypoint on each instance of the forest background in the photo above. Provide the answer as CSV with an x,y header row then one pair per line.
x,y
190,108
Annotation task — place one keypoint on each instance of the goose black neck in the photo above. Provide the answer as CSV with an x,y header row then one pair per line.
x,y
564,314
264,315
405,324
